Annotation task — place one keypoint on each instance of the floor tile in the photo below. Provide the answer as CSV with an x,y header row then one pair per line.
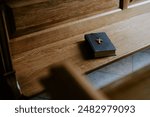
x,y
100,79
140,60
121,67
146,50
111,73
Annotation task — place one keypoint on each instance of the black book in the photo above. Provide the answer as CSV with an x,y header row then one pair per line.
x,y
100,44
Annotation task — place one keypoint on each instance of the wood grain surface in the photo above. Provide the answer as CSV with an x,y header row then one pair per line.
x,y
41,38
129,36
37,15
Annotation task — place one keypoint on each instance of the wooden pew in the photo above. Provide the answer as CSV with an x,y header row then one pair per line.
x,y
33,53
66,82
34,64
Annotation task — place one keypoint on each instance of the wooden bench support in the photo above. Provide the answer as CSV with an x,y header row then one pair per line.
x,y
6,68
9,19
124,4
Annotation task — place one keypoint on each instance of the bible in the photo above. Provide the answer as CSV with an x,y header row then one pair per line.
x,y
100,44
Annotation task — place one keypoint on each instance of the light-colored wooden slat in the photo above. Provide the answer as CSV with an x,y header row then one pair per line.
x,y
128,36
134,86
41,38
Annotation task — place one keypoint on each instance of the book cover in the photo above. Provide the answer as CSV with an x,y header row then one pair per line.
x,y
100,44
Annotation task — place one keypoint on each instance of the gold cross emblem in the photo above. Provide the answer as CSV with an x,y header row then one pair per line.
x,y
99,41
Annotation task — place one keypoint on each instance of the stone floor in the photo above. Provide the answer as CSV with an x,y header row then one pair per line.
x,y
114,71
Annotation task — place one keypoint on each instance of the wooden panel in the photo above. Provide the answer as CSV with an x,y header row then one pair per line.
x,y
33,65
41,38
133,86
41,15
